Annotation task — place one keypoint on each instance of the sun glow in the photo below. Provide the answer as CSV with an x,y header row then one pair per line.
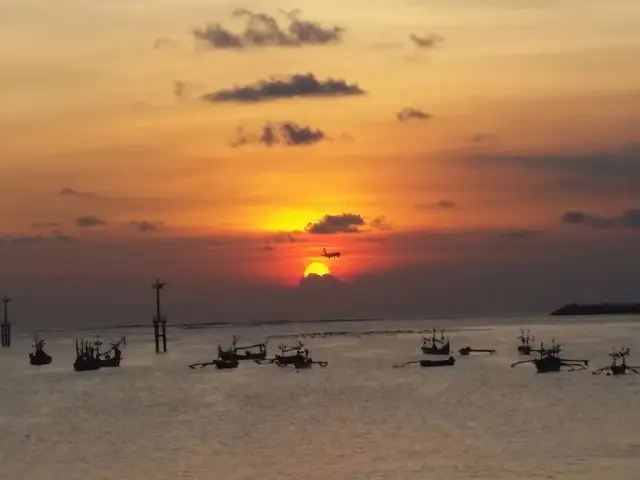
x,y
316,268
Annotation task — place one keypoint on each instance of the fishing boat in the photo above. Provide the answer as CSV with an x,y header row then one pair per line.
x,y
105,359
86,358
298,356
234,352
430,363
550,360
436,346
218,362
525,343
467,350
39,356
438,363
618,369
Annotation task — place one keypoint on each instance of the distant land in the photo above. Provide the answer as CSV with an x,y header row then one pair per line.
x,y
598,309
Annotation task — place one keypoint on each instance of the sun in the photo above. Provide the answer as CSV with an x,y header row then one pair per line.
x,y
316,268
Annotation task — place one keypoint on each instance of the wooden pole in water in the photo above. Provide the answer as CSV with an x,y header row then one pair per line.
x,y
159,320
6,326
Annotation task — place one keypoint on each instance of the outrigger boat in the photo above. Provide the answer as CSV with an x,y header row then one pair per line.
x,y
231,353
39,356
430,363
525,343
435,346
218,362
299,359
622,368
467,350
550,360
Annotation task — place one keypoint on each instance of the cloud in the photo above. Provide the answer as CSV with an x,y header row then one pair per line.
x,y
56,236
380,223
88,221
517,233
263,30
483,138
146,226
288,133
70,192
443,204
629,220
164,42
429,41
412,113
345,223
299,85
46,224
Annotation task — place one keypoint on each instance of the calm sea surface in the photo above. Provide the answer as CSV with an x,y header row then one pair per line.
x,y
153,418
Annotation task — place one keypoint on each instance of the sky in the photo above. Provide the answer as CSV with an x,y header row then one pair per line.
x,y
464,157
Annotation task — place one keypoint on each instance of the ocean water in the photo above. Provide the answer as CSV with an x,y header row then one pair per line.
x,y
154,419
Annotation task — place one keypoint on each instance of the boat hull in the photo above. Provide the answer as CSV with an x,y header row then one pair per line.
x,y
547,365
524,350
226,364
438,363
231,356
40,359
109,362
82,365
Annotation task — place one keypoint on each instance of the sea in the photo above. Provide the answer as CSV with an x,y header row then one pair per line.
x,y
153,418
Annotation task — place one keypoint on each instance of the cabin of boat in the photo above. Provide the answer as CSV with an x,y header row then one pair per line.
x,y
39,356
234,352
436,346
525,347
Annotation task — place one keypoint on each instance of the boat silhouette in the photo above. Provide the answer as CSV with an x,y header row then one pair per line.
x,y
234,352
436,346
39,356
550,360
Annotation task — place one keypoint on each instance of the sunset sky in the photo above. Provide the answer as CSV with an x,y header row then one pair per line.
x,y
464,156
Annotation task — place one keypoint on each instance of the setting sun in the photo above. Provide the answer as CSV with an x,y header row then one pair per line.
x,y
316,268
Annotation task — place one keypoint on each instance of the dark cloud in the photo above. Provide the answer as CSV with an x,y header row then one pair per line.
x,y
56,236
299,85
346,223
443,204
428,41
380,223
412,113
284,237
264,30
88,221
70,192
46,224
518,233
288,133
629,220
146,226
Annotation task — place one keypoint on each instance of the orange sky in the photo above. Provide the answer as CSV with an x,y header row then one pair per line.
x,y
523,105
